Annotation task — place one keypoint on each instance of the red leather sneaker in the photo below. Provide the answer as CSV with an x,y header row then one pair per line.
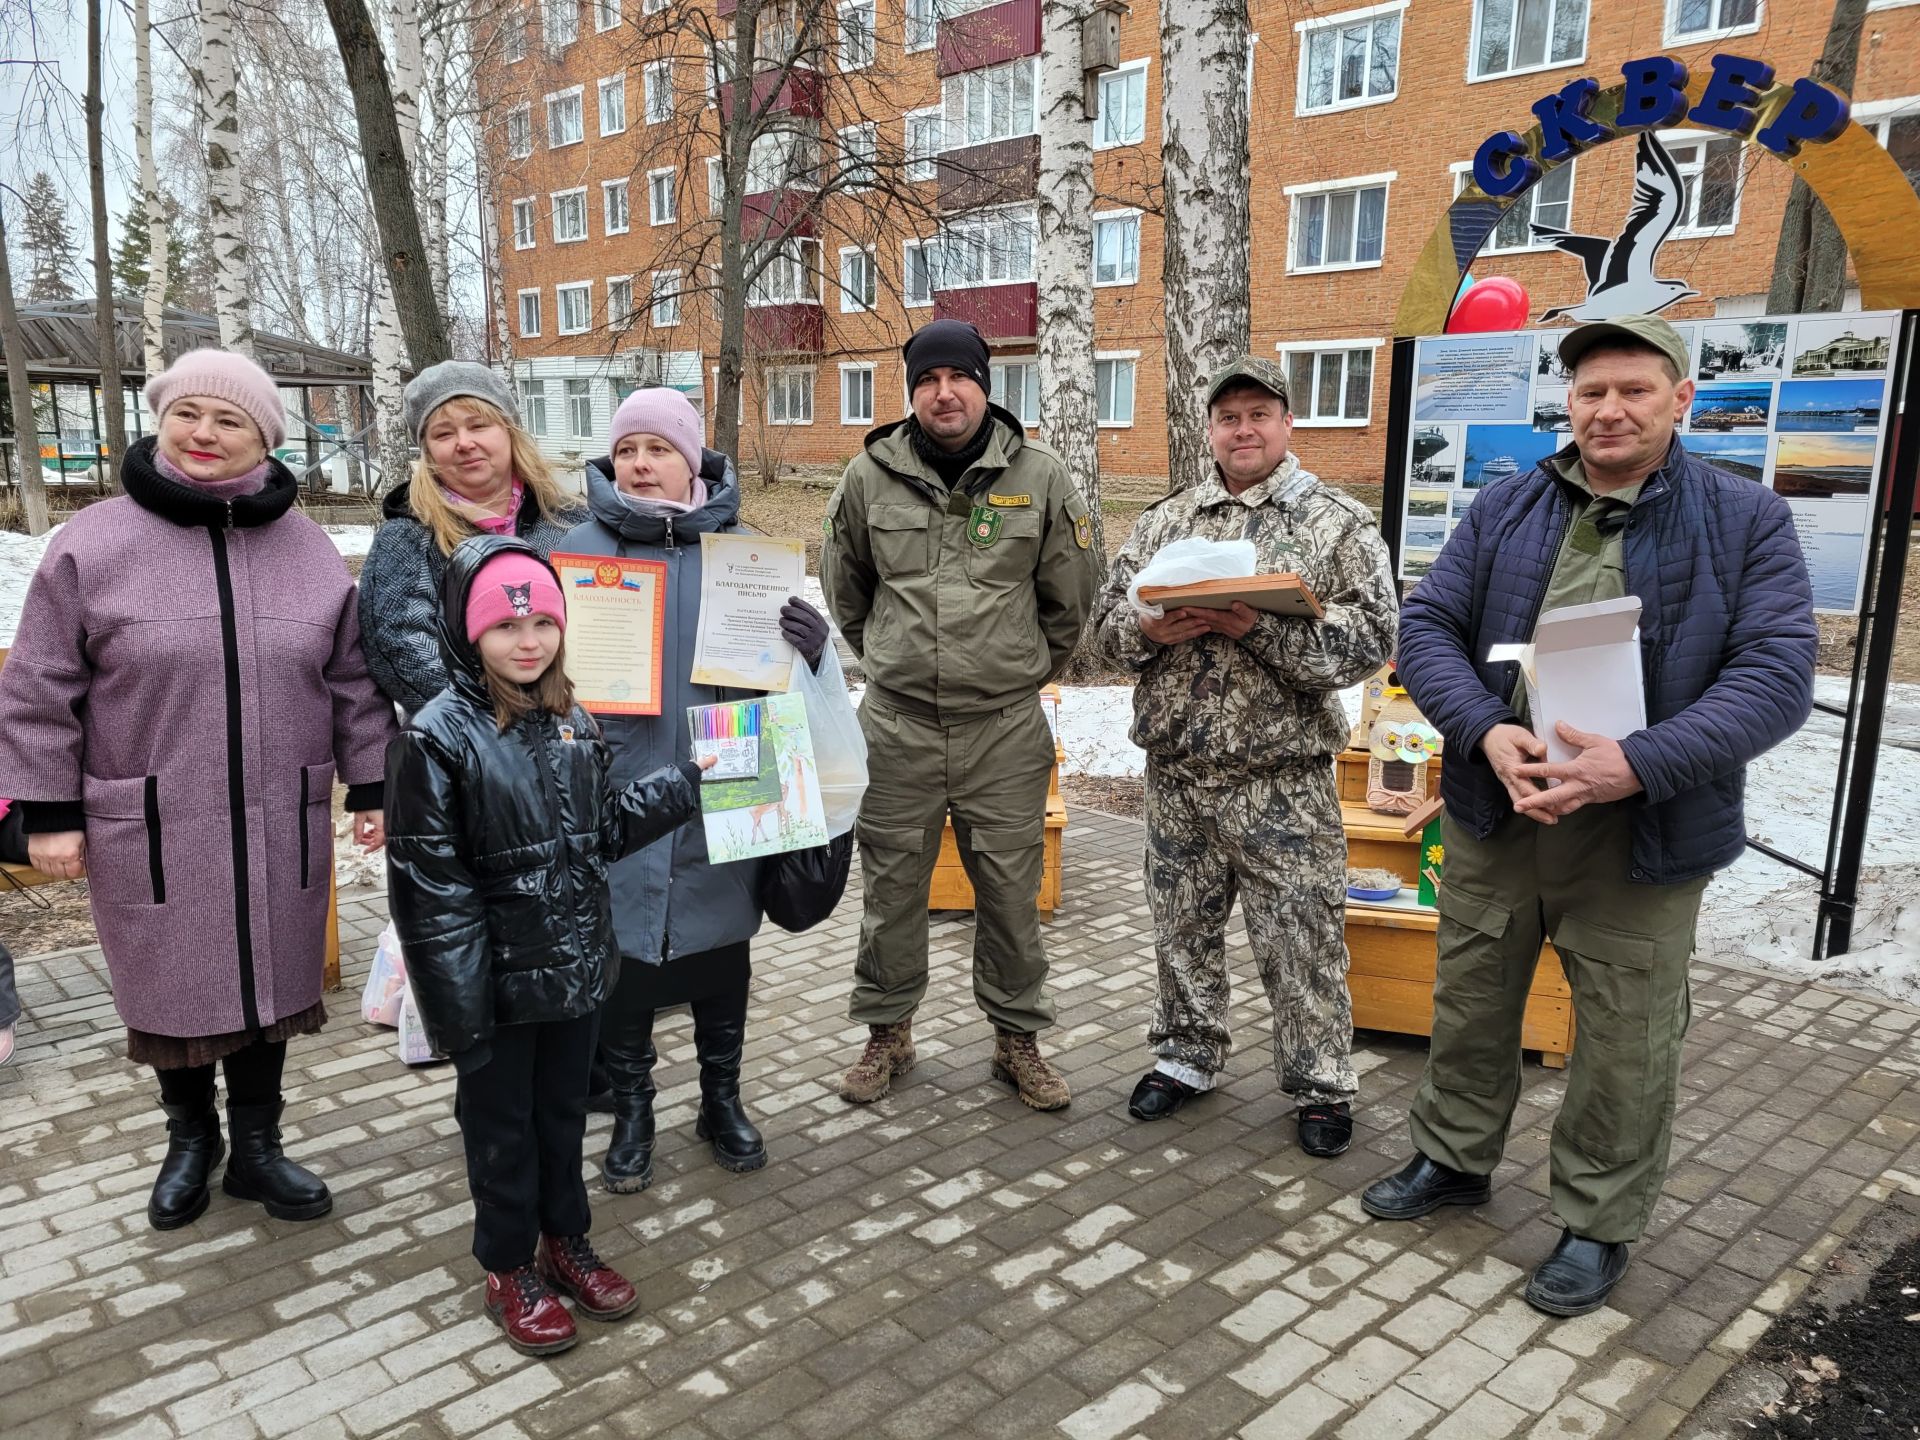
x,y
519,1302
568,1264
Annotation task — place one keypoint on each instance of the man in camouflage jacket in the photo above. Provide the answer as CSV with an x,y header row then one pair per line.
x,y
1238,714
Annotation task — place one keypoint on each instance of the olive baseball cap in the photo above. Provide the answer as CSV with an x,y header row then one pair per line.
x,y
1267,374
1638,330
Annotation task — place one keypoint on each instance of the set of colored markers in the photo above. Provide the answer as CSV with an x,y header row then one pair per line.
x,y
731,732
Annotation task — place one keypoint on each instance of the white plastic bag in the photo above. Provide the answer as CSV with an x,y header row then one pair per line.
x,y
412,1043
1187,561
839,749
386,982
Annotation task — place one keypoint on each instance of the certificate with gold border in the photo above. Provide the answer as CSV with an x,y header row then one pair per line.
x,y
616,625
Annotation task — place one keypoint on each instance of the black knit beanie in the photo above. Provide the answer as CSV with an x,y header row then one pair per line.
x,y
947,342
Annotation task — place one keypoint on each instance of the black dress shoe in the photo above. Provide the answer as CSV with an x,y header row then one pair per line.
x,y
1578,1276
1158,1095
1421,1188
1325,1130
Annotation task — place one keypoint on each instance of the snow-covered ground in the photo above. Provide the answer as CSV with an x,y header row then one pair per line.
x,y
1757,913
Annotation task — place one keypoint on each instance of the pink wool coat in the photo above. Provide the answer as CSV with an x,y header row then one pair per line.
x,y
190,673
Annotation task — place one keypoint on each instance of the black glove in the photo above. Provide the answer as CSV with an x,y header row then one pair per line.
x,y
804,628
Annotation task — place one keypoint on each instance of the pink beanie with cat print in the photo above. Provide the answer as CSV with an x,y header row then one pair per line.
x,y
510,585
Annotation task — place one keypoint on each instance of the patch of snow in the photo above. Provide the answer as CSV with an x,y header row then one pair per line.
x,y
350,540
19,558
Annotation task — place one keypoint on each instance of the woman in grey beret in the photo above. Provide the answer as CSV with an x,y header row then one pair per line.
x,y
479,471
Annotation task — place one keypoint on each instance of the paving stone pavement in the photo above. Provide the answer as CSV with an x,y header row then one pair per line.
x,y
944,1263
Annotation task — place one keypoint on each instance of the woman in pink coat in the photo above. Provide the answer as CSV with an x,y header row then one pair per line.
x,y
185,686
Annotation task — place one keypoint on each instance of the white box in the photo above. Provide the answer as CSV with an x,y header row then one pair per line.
x,y
1583,667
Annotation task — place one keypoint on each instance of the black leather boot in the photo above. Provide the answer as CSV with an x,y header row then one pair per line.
x,y
194,1147
1421,1187
628,1166
261,1172
719,1033
1578,1276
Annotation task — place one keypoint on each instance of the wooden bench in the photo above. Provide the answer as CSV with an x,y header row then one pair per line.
x,y
22,877
951,890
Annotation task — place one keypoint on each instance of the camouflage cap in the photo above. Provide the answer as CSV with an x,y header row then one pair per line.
x,y
1267,374
1638,330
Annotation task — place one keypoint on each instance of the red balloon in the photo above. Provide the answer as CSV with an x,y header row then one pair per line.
x,y
1495,303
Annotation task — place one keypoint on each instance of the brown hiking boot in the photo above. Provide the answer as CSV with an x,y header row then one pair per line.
x,y
1018,1061
889,1053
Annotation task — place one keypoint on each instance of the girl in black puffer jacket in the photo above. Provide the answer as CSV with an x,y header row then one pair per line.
x,y
501,822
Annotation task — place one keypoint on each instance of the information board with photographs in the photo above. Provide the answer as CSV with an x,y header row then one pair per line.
x,y
1795,402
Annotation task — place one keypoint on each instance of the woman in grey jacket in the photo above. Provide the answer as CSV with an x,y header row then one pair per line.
x,y
683,923
479,472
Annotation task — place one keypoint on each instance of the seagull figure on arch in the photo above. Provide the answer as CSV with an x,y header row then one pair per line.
x,y
1620,278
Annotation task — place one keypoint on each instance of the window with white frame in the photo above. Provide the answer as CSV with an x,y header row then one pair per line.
x,y
989,247
716,185
856,34
923,129
1549,202
652,7
790,275
857,279
1896,125
523,238
1341,225
606,14
1709,169
923,18
513,38
1116,248
1510,36
565,125
790,396
579,407
991,104
533,404
657,81
1123,107
574,304
918,259
620,300
1113,389
569,215
787,155
859,152
663,297
1690,20
613,104
1330,386
662,207
561,22
613,194
1016,388
529,312
856,394
520,132
1351,59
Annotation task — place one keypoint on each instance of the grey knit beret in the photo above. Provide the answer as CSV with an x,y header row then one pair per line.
x,y
449,380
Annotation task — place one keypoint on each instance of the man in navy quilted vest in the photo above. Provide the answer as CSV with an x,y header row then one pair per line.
x,y
1610,862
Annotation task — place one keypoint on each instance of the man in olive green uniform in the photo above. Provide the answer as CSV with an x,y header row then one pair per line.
x,y
958,564
1608,853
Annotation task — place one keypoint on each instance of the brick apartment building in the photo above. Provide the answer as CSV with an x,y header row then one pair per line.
x,y
1363,122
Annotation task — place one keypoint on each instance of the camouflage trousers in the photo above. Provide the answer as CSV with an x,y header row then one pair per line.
x,y
1276,843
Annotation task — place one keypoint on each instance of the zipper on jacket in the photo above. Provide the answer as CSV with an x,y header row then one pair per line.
x,y
236,780
306,840
536,737
156,865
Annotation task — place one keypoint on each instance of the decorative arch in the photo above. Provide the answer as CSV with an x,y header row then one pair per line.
x,y
1876,209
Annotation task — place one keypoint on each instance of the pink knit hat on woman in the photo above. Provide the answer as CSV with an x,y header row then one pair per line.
x,y
663,412
511,585
222,375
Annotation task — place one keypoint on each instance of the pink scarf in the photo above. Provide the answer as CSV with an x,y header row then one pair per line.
x,y
248,484
490,524
657,505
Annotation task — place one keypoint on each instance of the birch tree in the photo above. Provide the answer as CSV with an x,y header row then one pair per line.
x,y
26,433
113,399
1064,261
1205,171
1810,264
152,205
218,93
389,349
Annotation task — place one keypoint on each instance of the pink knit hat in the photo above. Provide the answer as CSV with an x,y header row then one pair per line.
x,y
224,376
663,412
511,585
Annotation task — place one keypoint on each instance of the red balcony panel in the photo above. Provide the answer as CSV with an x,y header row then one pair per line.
x,y
993,36
798,92
780,212
789,329
999,312
725,7
999,172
